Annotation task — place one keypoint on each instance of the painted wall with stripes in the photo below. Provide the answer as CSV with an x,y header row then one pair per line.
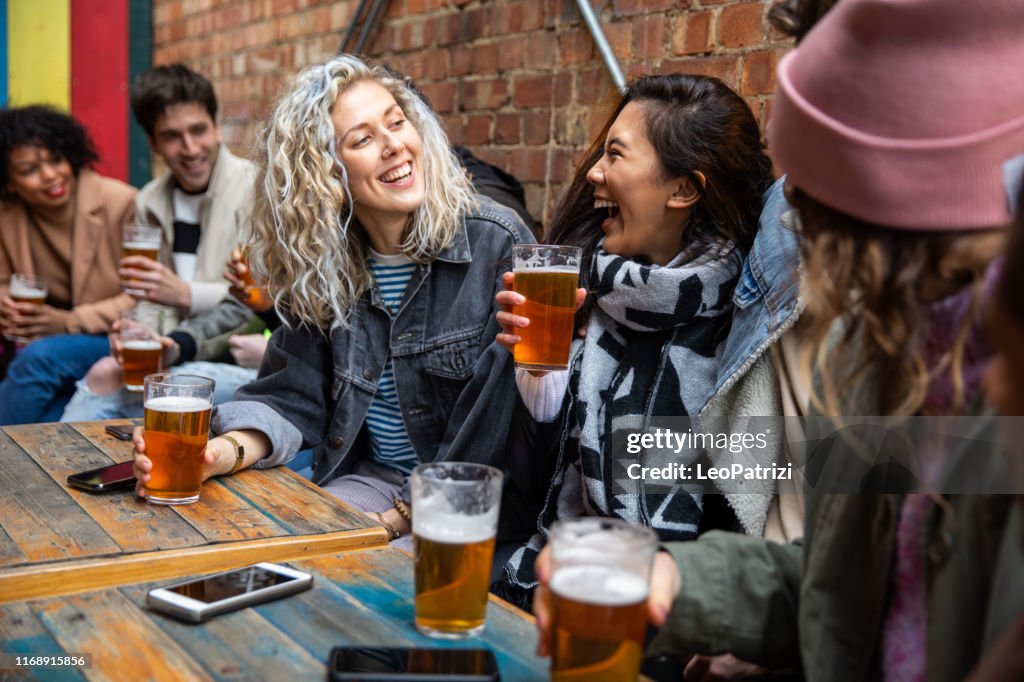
x,y
80,56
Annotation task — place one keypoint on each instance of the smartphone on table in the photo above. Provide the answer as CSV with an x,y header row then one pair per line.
x,y
380,664
120,432
197,600
104,479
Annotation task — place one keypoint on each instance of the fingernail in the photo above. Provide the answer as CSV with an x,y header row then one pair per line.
x,y
520,299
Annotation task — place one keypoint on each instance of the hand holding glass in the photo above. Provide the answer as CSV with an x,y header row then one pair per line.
x,y
141,350
600,581
178,408
141,240
547,276
26,289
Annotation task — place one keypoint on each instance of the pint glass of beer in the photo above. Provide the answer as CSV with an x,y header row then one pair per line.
x,y
26,289
599,582
454,523
141,352
141,240
177,424
547,276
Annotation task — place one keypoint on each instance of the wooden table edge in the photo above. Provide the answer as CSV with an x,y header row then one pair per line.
x,y
85,575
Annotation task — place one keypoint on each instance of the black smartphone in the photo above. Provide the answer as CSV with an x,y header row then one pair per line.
x,y
380,664
120,432
197,600
113,477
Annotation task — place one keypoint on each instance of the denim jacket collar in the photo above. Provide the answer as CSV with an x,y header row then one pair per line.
x,y
458,251
767,301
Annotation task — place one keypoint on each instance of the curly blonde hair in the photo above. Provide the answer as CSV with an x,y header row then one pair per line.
x,y
304,244
880,281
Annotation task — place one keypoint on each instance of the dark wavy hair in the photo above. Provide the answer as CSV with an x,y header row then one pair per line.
x,y
46,128
694,123
796,18
162,86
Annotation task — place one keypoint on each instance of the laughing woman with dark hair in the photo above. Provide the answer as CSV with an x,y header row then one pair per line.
x,y
61,221
665,207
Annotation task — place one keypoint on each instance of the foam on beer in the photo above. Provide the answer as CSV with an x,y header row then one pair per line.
x,y
147,344
571,269
173,403
433,519
141,246
21,290
601,585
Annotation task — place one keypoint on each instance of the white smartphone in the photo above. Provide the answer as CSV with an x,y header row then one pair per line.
x,y
197,600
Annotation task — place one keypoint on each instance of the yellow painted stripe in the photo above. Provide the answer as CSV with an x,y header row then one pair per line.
x,y
39,57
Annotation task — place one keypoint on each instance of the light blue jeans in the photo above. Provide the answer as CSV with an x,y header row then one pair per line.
x,y
87,406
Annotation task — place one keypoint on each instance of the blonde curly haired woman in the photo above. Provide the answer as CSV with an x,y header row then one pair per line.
x,y
384,265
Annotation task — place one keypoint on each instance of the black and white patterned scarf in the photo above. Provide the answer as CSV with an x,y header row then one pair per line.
x,y
652,349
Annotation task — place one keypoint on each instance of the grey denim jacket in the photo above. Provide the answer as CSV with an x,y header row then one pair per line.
x,y
455,385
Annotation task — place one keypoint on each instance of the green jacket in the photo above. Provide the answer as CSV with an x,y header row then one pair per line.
x,y
819,604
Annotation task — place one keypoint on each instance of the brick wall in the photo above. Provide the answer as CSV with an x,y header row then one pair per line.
x,y
518,81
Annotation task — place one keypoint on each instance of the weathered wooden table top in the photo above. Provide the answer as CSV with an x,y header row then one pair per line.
x,y
360,598
59,540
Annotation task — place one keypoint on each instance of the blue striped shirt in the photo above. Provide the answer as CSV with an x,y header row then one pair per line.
x,y
389,441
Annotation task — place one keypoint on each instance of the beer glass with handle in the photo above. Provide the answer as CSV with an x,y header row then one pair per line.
x,y
454,523
141,352
600,580
178,408
26,289
141,240
547,276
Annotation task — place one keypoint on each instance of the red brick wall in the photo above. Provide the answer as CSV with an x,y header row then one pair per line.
x,y
518,81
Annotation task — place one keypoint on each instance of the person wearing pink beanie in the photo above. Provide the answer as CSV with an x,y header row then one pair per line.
x,y
897,123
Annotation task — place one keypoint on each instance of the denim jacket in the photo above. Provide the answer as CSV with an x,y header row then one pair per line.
x,y
766,305
455,385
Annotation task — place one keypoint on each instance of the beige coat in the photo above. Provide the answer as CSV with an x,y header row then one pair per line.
x,y
102,205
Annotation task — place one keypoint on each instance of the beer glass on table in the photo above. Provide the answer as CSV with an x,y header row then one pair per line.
x,y
599,583
141,352
141,240
454,523
547,276
177,425
26,289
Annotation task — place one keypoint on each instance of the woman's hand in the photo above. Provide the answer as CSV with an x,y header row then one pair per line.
x,y
160,284
509,321
33,321
218,458
248,349
243,287
665,586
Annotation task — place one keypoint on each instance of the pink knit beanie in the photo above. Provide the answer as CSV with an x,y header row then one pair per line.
x,y
902,112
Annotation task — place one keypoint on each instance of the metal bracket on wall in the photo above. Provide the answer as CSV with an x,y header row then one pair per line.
x,y
602,44
365,29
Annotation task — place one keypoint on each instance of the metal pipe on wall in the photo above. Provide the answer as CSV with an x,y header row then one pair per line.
x,y
602,44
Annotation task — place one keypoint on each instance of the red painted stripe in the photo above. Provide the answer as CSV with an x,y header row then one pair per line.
x,y
99,78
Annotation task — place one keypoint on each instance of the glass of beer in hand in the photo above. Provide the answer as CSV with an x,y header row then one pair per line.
x,y
141,352
547,276
177,424
599,583
255,296
141,240
454,523
26,289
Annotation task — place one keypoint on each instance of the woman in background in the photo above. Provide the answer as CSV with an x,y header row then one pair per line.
x,y
61,221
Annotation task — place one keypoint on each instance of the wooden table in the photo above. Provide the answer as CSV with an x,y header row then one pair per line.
x,y
59,540
358,599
